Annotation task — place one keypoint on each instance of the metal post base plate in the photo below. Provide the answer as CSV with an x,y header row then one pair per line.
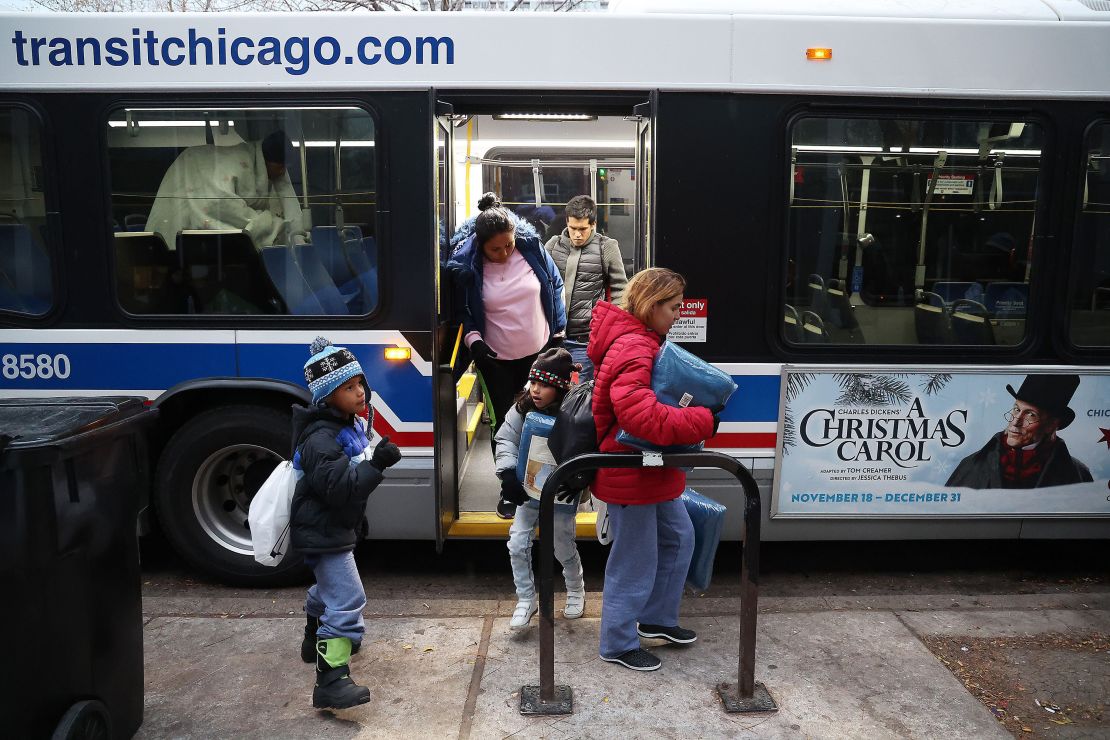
x,y
759,701
562,703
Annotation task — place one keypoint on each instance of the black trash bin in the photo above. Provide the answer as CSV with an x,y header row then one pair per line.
x,y
71,476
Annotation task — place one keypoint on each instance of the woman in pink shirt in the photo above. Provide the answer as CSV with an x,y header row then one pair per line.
x,y
509,298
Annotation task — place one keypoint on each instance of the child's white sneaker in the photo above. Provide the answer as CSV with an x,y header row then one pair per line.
x,y
576,604
522,615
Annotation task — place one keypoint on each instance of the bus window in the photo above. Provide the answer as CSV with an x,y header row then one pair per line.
x,y
1090,313
906,232
25,267
268,210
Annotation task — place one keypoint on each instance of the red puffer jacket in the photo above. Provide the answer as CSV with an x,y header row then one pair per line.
x,y
623,350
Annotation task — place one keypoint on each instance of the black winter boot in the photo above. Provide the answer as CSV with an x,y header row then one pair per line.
x,y
334,687
308,644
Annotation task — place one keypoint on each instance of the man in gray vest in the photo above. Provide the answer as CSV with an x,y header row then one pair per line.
x,y
592,269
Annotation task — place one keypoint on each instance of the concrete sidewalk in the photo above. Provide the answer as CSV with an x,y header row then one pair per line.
x,y
230,668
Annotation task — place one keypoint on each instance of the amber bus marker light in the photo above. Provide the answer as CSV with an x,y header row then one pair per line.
x,y
819,53
398,353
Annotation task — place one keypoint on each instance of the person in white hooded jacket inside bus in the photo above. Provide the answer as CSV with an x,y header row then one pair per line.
x,y
243,186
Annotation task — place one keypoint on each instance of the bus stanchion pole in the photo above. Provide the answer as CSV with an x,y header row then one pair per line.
x,y
749,694
547,698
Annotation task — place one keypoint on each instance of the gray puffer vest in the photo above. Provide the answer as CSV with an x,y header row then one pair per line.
x,y
599,266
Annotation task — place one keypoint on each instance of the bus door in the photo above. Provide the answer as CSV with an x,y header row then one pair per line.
x,y
643,114
449,438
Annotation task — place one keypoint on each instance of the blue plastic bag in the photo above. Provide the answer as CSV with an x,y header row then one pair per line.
x,y
535,461
708,518
682,379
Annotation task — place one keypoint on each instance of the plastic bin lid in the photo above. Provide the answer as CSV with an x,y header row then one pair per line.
x,y
38,421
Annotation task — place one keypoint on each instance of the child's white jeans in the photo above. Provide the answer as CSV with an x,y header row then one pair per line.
x,y
520,548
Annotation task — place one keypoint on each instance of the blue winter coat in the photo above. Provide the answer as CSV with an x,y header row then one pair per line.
x,y
466,267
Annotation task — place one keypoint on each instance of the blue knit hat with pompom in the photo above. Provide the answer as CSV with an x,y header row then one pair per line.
x,y
328,368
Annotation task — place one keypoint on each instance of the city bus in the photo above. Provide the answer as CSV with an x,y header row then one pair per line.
x,y
894,221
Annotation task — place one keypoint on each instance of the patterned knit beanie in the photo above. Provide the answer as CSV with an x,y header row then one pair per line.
x,y
328,368
554,367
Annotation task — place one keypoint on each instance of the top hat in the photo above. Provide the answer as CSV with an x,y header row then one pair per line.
x,y
1049,392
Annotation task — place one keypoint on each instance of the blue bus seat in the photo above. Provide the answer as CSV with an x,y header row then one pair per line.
x,y
289,281
319,281
818,300
792,324
24,271
813,328
328,246
366,272
971,323
953,291
1007,300
931,321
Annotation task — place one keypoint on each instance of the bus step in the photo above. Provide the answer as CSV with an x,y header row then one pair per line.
x,y
486,524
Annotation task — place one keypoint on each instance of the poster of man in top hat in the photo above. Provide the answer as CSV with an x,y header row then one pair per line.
x,y
1028,453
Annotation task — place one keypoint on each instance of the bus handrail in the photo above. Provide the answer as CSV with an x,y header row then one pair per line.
x,y
458,343
749,695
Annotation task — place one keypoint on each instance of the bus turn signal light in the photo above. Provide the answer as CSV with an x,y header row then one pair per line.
x,y
398,353
819,53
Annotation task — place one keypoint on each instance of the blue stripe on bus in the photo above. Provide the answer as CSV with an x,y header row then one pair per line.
x,y
756,399
407,393
111,366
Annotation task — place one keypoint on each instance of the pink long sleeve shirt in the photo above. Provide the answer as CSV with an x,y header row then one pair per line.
x,y
515,324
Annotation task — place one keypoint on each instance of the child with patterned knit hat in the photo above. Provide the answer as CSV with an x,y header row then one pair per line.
x,y
548,383
331,444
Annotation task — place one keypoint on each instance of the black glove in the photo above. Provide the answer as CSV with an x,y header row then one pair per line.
x,y
716,423
386,454
480,352
511,489
553,343
566,494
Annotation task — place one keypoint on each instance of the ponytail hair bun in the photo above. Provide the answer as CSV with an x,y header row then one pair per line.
x,y
488,200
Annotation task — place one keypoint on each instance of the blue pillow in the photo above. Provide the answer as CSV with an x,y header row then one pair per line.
x,y
680,378
708,518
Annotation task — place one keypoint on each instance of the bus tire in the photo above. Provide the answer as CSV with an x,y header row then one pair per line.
x,y
207,474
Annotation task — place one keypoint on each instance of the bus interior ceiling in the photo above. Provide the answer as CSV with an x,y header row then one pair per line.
x,y
565,155
576,154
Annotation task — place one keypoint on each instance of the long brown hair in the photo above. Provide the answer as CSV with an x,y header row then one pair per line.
x,y
649,288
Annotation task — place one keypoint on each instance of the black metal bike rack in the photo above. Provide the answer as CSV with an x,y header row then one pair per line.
x,y
748,695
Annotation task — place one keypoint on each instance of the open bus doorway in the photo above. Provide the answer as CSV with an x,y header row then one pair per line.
x,y
535,161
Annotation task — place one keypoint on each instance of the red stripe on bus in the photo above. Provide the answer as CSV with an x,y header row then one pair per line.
x,y
744,439
402,439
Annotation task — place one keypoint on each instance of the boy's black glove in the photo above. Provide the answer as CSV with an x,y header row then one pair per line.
x,y
716,423
511,488
481,353
566,494
386,454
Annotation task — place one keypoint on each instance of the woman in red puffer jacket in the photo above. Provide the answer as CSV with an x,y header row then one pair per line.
x,y
653,538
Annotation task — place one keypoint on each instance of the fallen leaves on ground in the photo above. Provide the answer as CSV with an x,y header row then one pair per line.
x,y
982,666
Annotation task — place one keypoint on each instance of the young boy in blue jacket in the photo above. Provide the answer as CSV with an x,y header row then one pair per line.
x,y
328,514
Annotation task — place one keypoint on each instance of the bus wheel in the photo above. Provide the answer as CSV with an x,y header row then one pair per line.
x,y
207,475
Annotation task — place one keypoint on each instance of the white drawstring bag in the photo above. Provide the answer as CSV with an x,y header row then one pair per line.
x,y
602,525
269,514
